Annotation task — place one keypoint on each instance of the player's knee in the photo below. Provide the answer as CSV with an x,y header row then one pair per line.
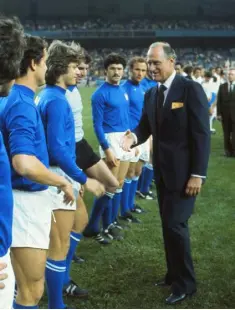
x,y
138,173
130,174
121,182
81,223
59,244
113,184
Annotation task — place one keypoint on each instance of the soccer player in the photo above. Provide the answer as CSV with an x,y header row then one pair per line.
x,y
91,164
146,176
58,123
24,138
11,52
148,82
87,160
135,91
110,112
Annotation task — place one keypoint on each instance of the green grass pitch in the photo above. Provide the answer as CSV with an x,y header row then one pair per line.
x,y
123,274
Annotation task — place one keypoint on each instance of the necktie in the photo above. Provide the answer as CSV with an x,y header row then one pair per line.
x,y
160,101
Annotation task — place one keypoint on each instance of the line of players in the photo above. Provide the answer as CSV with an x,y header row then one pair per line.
x,y
52,164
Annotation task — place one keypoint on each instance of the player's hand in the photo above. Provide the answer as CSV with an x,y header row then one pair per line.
x,y
110,159
95,187
127,141
193,187
219,118
67,188
3,276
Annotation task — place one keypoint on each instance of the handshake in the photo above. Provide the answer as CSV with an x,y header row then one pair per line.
x,y
127,141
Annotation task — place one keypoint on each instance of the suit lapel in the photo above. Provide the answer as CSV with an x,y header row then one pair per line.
x,y
173,94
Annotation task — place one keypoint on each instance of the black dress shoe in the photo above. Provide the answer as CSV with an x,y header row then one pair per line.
x,y
162,283
173,298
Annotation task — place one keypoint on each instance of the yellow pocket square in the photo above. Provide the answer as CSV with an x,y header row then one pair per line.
x,y
177,105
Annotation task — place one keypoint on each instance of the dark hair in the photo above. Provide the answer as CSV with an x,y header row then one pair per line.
x,y
135,60
60,55
197,68
34,51
214,79
208,74
87,57
188,70
11,48
179,64
114,58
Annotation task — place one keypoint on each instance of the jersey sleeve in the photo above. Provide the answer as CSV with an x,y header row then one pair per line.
x,y
56,141
98,105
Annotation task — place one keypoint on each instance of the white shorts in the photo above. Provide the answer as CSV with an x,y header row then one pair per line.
x,y
144,152
58,203
114,139
7,294
31,219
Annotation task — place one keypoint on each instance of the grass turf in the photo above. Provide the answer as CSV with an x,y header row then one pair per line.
x,y
123,274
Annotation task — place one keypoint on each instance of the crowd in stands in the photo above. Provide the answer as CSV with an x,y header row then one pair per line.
x,y
134,24
188,56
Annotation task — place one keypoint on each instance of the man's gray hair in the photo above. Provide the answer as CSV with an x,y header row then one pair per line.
x,y
168,50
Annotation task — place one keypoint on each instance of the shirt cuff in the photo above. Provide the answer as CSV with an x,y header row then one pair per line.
x,y
198,176
82,179
104,145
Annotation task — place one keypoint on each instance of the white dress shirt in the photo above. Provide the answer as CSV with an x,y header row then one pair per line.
x,y
167,84
229,85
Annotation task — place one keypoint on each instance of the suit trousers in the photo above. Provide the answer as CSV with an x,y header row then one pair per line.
x,y
175,210
228,123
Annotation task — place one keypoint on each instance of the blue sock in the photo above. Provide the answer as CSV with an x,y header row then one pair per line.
x,y
125,196
74,240
55,271
141,178
107,215
18,306
99,206
148,177
116,204
132,193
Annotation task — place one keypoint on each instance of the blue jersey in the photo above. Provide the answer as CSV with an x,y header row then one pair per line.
x,y
136,96
148,83
58,121
23,133
110,111
6,201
